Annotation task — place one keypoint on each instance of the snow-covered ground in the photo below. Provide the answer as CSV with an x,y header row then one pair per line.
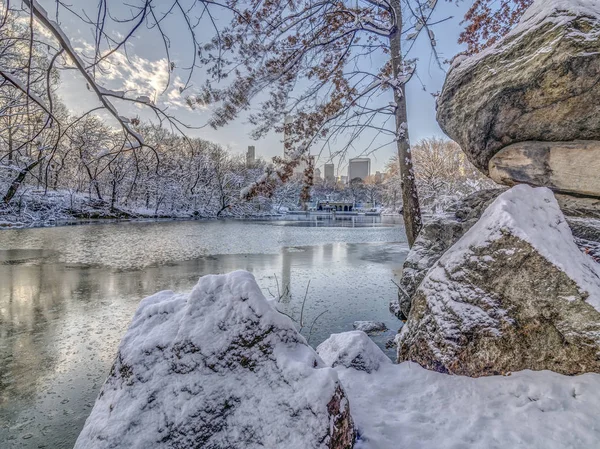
x,y
405,406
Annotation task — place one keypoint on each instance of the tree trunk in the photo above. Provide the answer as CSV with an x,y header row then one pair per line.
x,y
14,186
10,142
410,198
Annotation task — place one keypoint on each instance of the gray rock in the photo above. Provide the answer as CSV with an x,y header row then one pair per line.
x,y
352,349
567,167
439,234
434,239
540,83
219,368
580,207
585,228
472,207
514,293
370,327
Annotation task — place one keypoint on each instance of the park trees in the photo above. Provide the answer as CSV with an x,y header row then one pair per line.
x,y
339,68
325,64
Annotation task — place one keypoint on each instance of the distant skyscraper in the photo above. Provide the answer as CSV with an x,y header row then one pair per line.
x,y
329,172
359,167
317,174
378,176
250,156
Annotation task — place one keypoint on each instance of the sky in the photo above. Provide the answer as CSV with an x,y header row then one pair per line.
x,y
146,72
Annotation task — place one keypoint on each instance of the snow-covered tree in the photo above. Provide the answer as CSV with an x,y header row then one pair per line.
x,y
324,64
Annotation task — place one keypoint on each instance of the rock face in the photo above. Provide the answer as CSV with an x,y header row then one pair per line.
x,y
540,83
566,167
352,350
219,368
434,239
441,233
580,207
513,293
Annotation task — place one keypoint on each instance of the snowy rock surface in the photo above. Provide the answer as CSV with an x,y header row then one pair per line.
x,y
441,233
370,327
218,368
539,83
352,350
515,292
434,239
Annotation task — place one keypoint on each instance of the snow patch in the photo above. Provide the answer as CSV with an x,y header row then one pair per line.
x,y
406,406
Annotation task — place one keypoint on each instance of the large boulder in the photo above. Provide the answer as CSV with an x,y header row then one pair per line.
x,y
441,233
437,236
539,83
513,293
566,167
219,368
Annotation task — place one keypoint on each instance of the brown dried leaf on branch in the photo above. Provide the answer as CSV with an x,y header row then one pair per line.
x,y
488,20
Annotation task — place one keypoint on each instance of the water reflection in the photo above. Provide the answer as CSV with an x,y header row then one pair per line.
x,y
67,295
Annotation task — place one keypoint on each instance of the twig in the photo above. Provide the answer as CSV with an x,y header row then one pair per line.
x,y
303,303
313,323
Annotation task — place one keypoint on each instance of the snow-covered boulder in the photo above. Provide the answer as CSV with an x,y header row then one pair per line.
x,y
435,238
515,292
218,368
441,233
352,349
539,83
370,327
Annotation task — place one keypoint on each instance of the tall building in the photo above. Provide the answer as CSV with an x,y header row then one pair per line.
x,y
250,156
317,174
359,167
329,172
378,176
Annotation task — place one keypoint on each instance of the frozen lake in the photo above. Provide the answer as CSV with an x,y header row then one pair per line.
x,y
67,295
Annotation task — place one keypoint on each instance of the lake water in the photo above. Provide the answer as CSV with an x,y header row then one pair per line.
x,y
68,293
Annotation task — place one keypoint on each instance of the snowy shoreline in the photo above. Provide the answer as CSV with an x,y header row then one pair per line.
x,y
6,225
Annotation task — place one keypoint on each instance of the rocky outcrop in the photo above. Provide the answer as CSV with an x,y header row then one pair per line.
x,y
218,368
573,206
352,350
566,167
540,83
439,234
435,238
513,293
